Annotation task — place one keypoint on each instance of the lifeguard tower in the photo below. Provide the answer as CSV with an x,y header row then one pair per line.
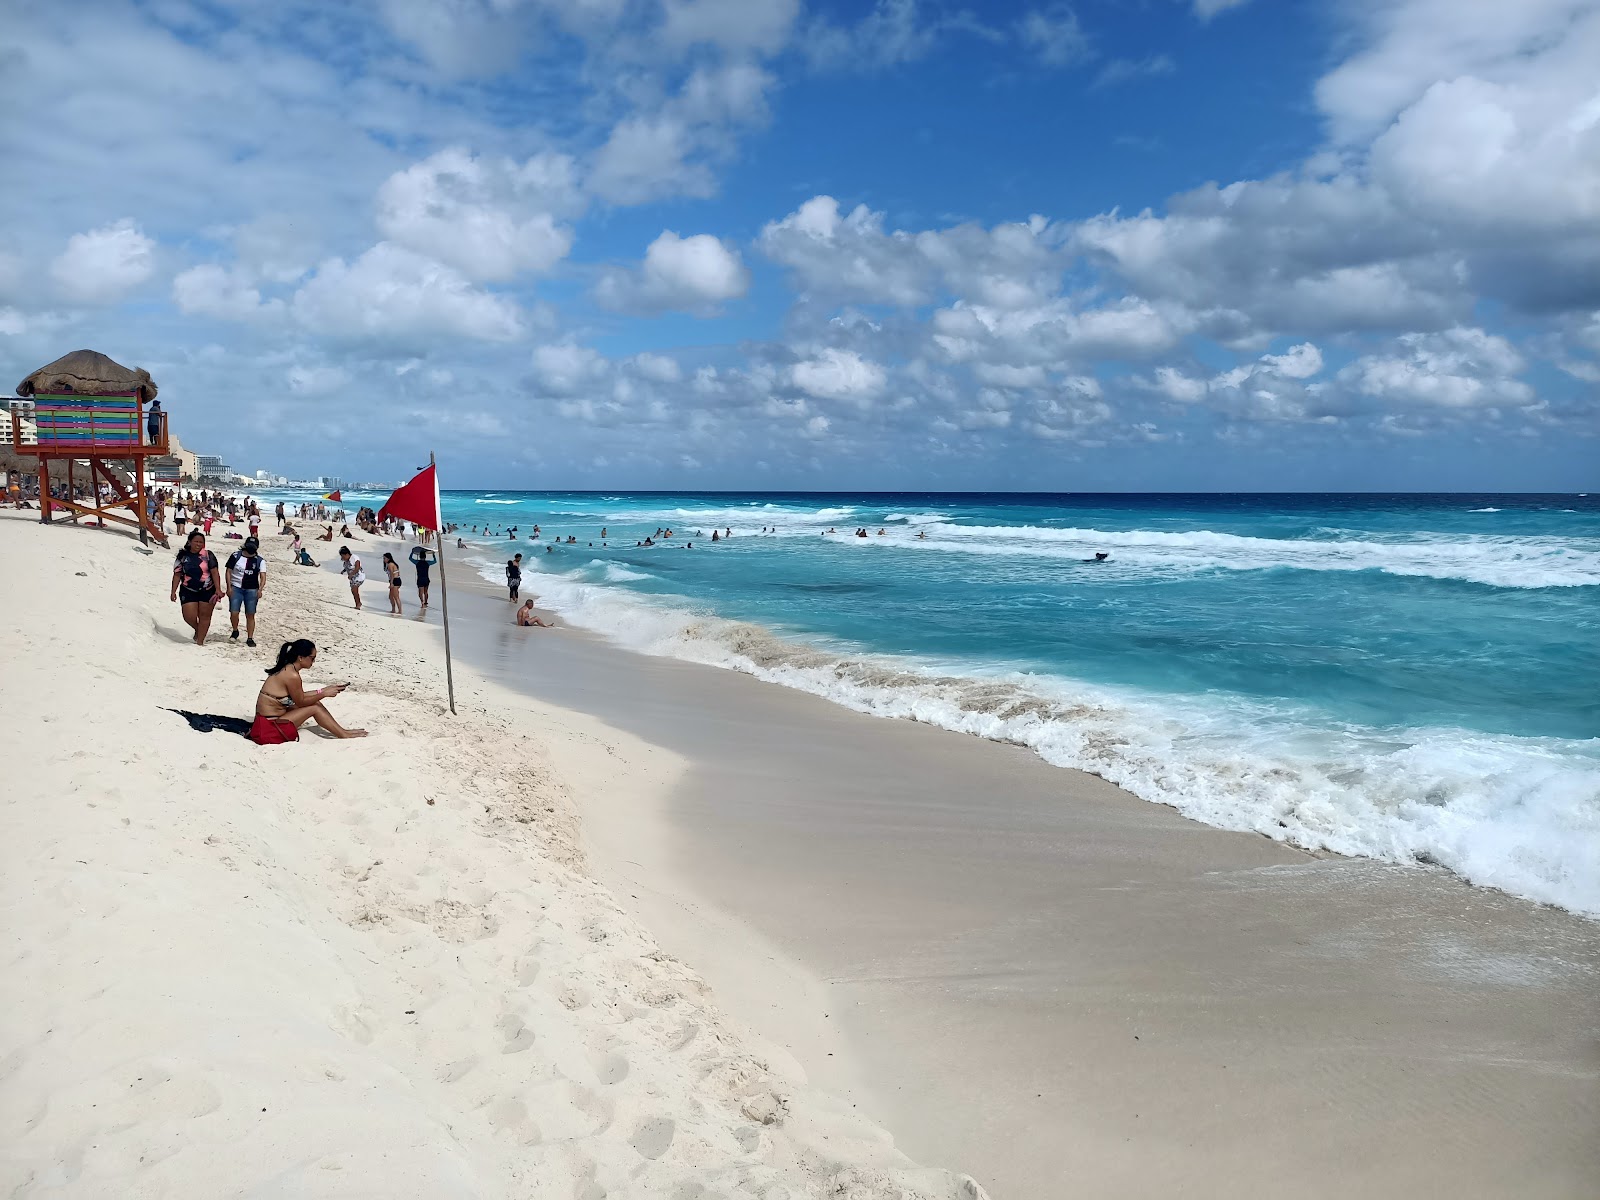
x,y
86,409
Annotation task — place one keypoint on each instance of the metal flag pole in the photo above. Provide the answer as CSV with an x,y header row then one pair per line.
x,y
444,587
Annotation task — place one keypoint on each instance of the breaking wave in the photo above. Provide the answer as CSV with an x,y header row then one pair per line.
x,y
1517,813
1513,562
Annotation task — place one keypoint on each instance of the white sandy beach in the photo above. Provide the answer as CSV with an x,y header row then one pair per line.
x,y
372,968
833,947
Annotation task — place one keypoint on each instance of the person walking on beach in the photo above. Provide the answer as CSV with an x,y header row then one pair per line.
x,y
423,561
392,570
247,579
195,584
514,576
180,516
352,568
283,704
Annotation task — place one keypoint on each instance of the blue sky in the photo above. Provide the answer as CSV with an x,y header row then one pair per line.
x,y
1119,244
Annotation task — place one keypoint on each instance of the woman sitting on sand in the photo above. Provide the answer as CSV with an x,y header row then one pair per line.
x,y
283,704
525,616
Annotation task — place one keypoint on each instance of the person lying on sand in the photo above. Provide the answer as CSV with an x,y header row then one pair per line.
x,y
525,616
283,704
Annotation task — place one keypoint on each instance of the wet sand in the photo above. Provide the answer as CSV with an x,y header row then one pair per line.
x,y
1060,989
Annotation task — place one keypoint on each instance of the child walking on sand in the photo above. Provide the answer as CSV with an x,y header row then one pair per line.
x,y
392,569
352,568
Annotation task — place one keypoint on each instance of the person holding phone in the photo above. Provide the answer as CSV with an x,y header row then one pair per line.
x,y
283,704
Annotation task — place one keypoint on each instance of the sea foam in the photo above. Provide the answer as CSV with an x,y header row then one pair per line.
x,y
1520,814
1513,562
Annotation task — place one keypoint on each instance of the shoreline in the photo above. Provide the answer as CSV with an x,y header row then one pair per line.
x,y
1501,809
377,965
1381,989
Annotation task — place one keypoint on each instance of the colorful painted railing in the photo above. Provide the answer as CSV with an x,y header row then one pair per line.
x,y
84,424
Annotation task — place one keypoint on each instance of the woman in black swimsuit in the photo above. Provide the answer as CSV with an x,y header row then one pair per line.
x,y
195,584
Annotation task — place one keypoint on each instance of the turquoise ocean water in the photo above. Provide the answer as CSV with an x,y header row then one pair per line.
x,y
1412,678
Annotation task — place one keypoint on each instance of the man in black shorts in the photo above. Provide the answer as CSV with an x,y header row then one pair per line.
x,y
423,561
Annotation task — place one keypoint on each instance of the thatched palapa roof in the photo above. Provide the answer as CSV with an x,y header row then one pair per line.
x,y
87,373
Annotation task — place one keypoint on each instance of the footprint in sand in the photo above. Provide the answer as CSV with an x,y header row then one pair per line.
x,y
517,1034
574,997
609,1069
653,1137
453,1071
748,1137
510,1116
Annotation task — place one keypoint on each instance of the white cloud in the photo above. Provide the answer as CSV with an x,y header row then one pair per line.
x,y
490,219
847,256
894,32
647,157
1298,362
1175,385
316,381
657,368
853,257
1482,179
759,25
1206,9
463,37
209,290
104,264
1456,369
839,375
566,368
1124,70
391,292
1404,49
16,323
670,150
1054,35
1053,333
1273,387
688,274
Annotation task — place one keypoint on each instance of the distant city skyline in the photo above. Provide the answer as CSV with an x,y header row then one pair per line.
x,y
1186,245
